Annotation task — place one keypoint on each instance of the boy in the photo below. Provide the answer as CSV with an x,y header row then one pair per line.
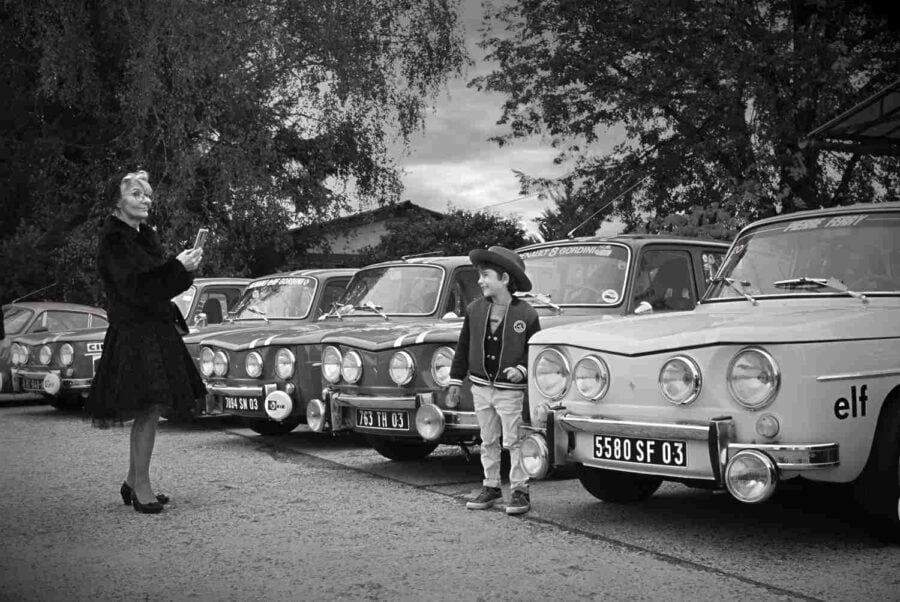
x,y
493,352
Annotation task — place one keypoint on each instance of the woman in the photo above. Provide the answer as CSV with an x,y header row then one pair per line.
x,y
145,367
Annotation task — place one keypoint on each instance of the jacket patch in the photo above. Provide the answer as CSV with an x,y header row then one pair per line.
x,y
519,326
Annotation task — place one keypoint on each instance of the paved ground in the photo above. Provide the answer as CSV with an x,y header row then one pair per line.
x,y
310,517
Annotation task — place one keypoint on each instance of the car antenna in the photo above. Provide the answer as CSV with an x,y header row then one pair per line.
x,y
33,293
571,233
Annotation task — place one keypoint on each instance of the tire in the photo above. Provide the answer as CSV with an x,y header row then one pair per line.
x,y
878,487
617,487
270,427
402,450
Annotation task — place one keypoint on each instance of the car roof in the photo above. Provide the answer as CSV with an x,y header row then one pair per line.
x,y
445,261
839,210
310,272
222,280
632,240
39,305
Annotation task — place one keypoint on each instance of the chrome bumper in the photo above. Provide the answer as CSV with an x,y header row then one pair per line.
x,y
67,384
717,435
454,421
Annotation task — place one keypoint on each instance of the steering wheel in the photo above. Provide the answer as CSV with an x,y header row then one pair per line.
x,y
872,282
584,294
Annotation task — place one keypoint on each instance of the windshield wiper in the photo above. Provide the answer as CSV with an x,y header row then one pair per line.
x,y
737,286
369,306
541,298
830,282
334,312
259,312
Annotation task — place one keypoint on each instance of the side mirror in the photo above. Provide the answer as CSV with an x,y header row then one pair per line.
x,y
41,329
643,308
200,321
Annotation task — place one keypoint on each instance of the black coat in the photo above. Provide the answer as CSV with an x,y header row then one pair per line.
x,y
144,361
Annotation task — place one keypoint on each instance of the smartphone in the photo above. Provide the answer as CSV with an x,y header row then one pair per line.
x,y
202,235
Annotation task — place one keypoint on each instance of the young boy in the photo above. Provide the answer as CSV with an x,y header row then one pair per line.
x,y
493,352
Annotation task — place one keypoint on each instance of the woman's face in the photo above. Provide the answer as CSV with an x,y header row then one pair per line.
x,y
135,202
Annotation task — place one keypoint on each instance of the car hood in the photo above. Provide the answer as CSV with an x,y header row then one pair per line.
x,y
306,333
392,336
68,336
736,322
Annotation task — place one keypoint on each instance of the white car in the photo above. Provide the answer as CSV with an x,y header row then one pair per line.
x,y
789,368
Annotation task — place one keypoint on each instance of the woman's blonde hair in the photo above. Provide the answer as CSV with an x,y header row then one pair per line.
x,y
140,177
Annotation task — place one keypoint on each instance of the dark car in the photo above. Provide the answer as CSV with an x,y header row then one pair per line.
x,y
389,381
42,318
268,375
61,365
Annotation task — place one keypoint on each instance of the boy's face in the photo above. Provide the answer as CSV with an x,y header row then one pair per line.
x,y
491,283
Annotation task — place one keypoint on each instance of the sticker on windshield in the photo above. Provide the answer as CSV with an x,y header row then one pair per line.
x,y
839,221
278,282
577,250
609,296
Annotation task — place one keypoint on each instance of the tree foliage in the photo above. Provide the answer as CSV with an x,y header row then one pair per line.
x,y
691,104
249,115
455,232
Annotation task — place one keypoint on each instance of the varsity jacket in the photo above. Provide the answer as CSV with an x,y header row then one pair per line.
x,y
479,350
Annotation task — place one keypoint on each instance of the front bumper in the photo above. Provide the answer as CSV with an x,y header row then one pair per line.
x,y
426,419
263,401
709,446
48,382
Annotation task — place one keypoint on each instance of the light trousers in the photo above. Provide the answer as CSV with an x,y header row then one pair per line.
x,y
499,412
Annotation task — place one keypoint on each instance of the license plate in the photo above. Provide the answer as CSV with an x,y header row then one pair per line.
x,y
33,384
249,404
383,419
640,451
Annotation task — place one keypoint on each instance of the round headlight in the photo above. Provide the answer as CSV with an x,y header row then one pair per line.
x,y
751,476
591,377
66,354
551,373
535,456
402,368
429,422
351,367
18,354
440,365
45,354
206,361
220,363
315,415
284,363
331,364
680,380
253,364
753,378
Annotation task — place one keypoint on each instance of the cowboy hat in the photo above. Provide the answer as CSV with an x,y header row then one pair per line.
x,y
510,261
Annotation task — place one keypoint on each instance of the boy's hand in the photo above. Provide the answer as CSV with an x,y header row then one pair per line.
x,y
513,375
453,396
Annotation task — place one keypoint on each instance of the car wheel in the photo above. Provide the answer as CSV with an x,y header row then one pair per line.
x,y
270,427
878,487
617,487
402,450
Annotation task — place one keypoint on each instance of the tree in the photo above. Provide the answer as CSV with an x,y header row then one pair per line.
x,y
249,115
712,99
455,233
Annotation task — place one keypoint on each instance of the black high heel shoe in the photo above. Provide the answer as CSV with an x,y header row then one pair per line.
x,y
151,508
126,491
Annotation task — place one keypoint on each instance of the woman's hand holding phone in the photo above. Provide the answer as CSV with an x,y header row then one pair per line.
x,y
190,259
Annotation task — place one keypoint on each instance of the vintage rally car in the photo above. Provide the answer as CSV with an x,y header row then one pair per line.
x,y
246,362
42,318
61,365
788,368
388,381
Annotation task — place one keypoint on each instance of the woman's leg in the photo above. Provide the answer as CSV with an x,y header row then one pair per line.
x,y
143,436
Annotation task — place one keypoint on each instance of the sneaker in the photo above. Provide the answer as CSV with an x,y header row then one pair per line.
x,y
519,504
487,498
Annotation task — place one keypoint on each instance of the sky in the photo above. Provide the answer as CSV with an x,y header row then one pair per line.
x,y
453,163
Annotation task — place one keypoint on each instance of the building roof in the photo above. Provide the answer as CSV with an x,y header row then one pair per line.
x,y
871,127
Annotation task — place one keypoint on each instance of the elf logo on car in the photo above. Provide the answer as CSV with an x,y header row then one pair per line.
x,y
856,406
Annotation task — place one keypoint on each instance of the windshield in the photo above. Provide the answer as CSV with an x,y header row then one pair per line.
x,y
184,300
396,289
579,274
861,250
274,298
15,319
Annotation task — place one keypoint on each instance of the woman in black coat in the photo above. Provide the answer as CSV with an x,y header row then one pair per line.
x,y
145,368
